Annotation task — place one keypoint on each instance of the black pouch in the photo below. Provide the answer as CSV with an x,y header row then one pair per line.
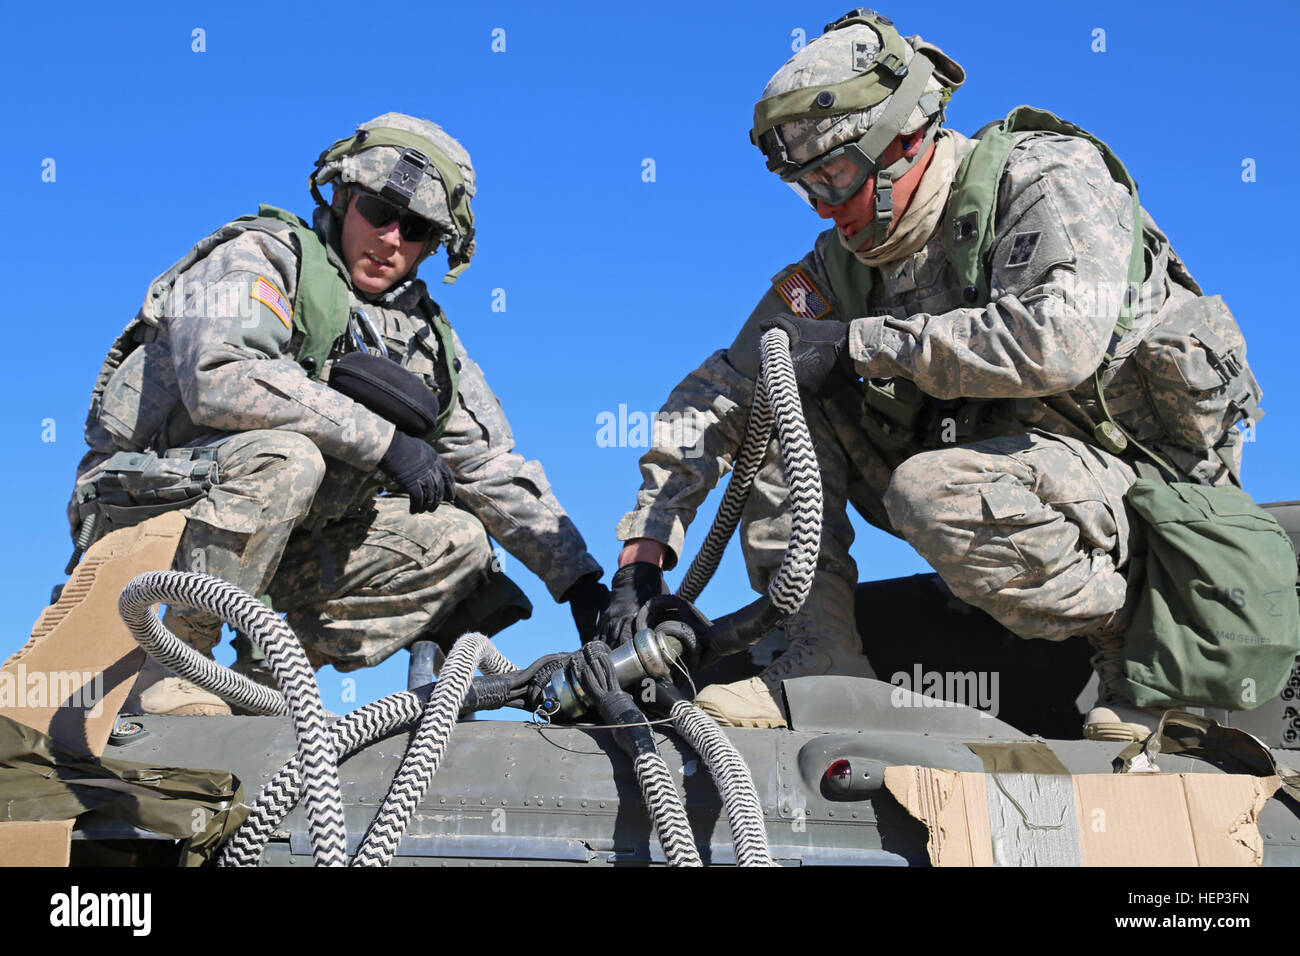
x,y
388,390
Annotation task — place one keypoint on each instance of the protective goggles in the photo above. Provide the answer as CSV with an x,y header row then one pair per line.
x,y
380,212
834,177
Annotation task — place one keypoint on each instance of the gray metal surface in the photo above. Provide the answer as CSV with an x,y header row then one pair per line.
x,y
511,793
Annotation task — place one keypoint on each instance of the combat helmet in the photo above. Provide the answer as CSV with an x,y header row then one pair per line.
x,y
415,165
826,117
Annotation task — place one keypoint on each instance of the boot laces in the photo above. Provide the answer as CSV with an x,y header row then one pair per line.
x,y
798,653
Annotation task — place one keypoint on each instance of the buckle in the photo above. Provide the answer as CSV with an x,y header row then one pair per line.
x,y
965,228
1226,364
894,64
457,254
772,145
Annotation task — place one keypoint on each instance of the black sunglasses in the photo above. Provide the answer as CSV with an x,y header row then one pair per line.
x,y
380,212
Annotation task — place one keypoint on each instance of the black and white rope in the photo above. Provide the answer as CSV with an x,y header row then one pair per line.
x,y
280,795
285,657
425,752
776,400
170,651
666,810
353,731
733,780
753,449
793,581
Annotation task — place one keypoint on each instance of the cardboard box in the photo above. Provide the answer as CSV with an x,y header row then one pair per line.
x,y
1134,819
41,843
72,676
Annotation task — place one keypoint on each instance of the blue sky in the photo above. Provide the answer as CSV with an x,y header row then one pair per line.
x,y
615,287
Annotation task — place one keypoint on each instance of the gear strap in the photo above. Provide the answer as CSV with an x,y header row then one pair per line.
x,y
968,223
322,302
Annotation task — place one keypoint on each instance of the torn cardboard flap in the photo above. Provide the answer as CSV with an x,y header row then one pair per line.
x,y
72,676
39,843
1023,819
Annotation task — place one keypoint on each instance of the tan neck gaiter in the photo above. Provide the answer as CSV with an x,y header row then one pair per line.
x,y
923,212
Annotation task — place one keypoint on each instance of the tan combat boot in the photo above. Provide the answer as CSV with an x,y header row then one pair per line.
x,y
158,691
1114,716
753,702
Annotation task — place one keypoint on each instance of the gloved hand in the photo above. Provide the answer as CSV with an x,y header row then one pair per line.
x,y
632,585
817,348
678,618
419,472
594,672
587,598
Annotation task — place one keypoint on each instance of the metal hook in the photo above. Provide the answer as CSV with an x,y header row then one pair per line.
x,y
359,322
542,715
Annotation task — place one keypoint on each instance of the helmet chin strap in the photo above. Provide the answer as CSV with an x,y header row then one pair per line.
x,y
885,179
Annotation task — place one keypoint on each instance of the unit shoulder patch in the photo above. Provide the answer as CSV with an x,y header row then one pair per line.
x,y
802,295
1036,242
267,294
1022,248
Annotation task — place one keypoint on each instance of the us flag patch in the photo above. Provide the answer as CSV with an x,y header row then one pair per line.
x,y
803,298
270,297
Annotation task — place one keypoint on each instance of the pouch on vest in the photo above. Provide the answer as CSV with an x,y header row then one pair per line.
x,y
1193,366
134,485
1217,622
890,409
131,486
388,390
133,403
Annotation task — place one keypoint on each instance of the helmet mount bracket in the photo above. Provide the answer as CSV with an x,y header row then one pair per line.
x,y
405,177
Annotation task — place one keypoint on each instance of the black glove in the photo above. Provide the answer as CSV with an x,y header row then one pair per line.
x,y
678,618
817,348
587,597
632,586
419,472
594,672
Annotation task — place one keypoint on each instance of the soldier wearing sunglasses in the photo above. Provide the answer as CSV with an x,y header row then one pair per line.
x,y
298,392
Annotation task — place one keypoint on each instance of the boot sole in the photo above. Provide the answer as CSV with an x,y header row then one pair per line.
x,y
1115,732
753,723
196,710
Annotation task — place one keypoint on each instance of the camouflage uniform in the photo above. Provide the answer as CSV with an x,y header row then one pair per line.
x,y
297,512
1002,488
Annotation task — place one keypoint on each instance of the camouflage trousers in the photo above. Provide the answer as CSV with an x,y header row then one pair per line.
x,y
1029,528
355,586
